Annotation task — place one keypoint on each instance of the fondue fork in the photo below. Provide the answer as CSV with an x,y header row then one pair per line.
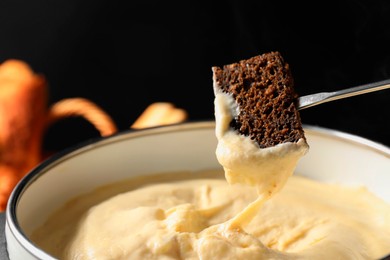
x,y
323,97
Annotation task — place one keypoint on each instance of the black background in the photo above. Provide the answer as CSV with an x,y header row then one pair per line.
x,y
124,55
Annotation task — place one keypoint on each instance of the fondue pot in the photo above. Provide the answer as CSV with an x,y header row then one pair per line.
x,y
333,157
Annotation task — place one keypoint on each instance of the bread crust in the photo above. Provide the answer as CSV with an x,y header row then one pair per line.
x,y
263,88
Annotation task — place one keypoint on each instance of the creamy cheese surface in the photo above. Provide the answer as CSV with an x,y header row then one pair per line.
x,y
192,219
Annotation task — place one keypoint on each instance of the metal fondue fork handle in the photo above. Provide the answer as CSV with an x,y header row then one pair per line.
x,y
319,98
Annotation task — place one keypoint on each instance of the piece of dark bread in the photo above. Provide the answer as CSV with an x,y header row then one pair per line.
x,y
263,88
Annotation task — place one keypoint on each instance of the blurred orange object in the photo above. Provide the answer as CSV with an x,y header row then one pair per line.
x,y
23,108
160,113
24,117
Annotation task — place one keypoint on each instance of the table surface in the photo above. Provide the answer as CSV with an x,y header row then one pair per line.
x,y
3,248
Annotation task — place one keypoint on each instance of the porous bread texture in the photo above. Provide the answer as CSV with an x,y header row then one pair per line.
x,y
263,88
